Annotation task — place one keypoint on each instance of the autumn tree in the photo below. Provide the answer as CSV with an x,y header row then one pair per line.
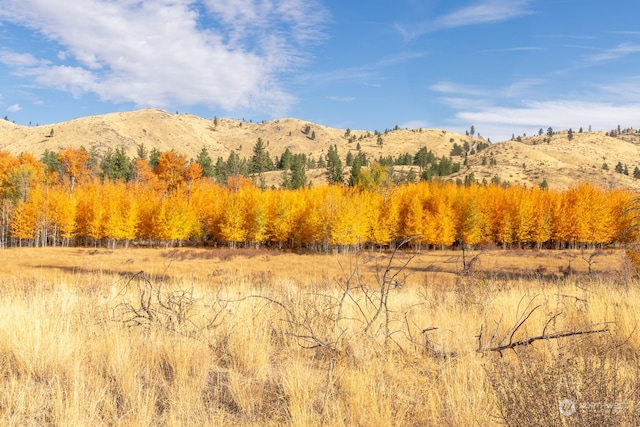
x,y
171,169
74,165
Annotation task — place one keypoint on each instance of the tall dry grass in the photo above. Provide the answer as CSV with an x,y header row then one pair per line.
x,y
100,346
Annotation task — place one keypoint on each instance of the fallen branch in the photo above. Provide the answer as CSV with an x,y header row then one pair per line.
x,y
529,340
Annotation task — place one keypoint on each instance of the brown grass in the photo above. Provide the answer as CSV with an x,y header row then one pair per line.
x,y
217,337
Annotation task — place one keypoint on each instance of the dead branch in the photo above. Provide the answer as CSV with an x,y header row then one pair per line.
x,y
529,340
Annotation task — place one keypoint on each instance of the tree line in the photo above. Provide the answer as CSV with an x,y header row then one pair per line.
x,y
169,201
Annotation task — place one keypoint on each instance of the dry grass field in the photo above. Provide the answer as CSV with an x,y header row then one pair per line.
x,y
142,337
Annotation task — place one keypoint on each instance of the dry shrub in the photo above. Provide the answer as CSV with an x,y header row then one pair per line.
x,y
584,382
633,259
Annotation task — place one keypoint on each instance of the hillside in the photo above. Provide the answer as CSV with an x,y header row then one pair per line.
x,y
559,161
562,162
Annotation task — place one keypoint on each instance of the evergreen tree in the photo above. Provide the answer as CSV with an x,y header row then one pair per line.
x,y
142,152
298,172
285,160
51,160
349,160
358,162
220,172
205,162
116,166
260,161
423,158
334,166
153,157
619,168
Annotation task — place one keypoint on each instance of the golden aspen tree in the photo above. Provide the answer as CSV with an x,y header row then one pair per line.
x,y
282,214
74,164
208,200
232,223
192,174
501,216
523,201
624,216
412,211
562,217
90,212
143,174
313,227
171,169
440,217
384,218
255,202
471,222
147,203
62,211
349,226
24,223
180,221
543,227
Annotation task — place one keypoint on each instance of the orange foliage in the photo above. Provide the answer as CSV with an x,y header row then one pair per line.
x,y
174,203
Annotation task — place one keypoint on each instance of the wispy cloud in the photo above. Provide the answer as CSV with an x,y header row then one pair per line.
x,y
161,53
361,73
454,88
626,90
517,49
484,12
341,98
516,88
627,33
614,53
414,124
14,108
529,116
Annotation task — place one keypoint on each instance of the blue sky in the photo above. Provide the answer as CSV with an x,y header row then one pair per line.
x,y
504,66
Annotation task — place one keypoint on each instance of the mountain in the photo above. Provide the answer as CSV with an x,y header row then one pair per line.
x,y
558,160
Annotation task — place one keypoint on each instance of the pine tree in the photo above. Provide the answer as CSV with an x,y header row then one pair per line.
x,y
205,162
334,166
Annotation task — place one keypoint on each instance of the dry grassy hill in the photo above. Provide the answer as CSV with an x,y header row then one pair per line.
x,y
188,134
560,162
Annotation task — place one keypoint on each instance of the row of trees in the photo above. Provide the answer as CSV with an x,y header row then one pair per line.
x,y
165,205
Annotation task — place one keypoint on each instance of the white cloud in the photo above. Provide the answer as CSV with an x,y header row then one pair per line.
x,y
626,90
161,53
341,98
515,89
14,108
414,124
612,54
501,122
362,73
484,12
445,86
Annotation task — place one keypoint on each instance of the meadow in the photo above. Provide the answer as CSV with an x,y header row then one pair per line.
x,y
148,337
